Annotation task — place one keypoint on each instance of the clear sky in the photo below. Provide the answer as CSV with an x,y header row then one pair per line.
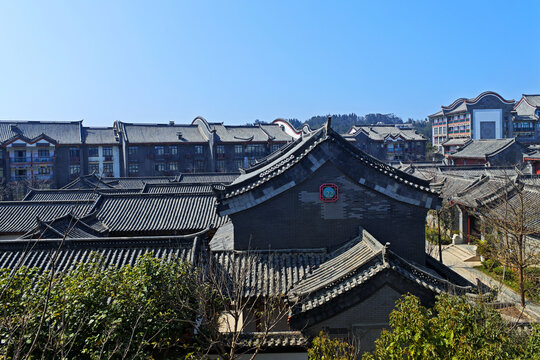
x,y
237,61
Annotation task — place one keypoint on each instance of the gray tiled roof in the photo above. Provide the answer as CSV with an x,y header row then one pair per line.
x,y
93,181
96,135
479,149
73,194
276,166
207,178
17,217
61,132
178,188
381,132
68,226
110,251
150,213
526,108
246,133
269,272
162,133
355,267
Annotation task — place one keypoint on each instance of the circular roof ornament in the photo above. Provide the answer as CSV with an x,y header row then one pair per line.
x,y
329,192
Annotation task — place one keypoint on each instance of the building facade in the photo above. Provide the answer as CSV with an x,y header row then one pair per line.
x,y
525,115
51,154
169,149
487,116
389,142
493,152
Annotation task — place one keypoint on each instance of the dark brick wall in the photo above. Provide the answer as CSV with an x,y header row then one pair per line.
x,y
298,218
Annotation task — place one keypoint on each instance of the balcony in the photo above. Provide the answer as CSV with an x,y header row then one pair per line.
x,y
43,159
108,158
74,159
20,159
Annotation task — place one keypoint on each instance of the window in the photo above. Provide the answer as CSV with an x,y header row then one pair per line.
x,y
43,153
93,168
173,166
220,149
93,152
159,166
275,147
173,150
199,149
199,165
107,151
133,150
74,152
238,149
159,150
220,165
108,168
74,169
133,168
20,172
44,170
239,163
254,150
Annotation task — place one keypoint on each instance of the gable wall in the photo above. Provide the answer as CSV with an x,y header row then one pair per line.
x,y
298,218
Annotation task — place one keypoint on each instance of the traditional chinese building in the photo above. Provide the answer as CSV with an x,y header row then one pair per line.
x,y
487,116
318,224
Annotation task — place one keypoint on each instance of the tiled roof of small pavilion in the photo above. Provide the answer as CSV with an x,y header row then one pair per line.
x,y
481,149
294,162
353,268
18,217
108,251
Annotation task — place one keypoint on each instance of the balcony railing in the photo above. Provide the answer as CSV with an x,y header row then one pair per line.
x,y
44,159
20,159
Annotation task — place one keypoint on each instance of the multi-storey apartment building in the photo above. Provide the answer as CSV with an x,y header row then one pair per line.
x,y
54,153
102,151
487,116
44,153
525,115
167,149
389,143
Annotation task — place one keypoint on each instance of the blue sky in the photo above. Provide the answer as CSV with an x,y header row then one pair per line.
x,y
237,61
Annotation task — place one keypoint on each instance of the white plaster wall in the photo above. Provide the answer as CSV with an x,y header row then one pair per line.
x,y
116,161
481,115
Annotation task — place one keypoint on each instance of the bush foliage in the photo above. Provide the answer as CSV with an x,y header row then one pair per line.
x,y
146,311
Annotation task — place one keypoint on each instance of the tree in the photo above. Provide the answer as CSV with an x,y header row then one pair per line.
x,y
322,347
454,328
512,214
91,312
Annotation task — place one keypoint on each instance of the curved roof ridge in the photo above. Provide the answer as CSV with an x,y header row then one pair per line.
x,y
486,93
